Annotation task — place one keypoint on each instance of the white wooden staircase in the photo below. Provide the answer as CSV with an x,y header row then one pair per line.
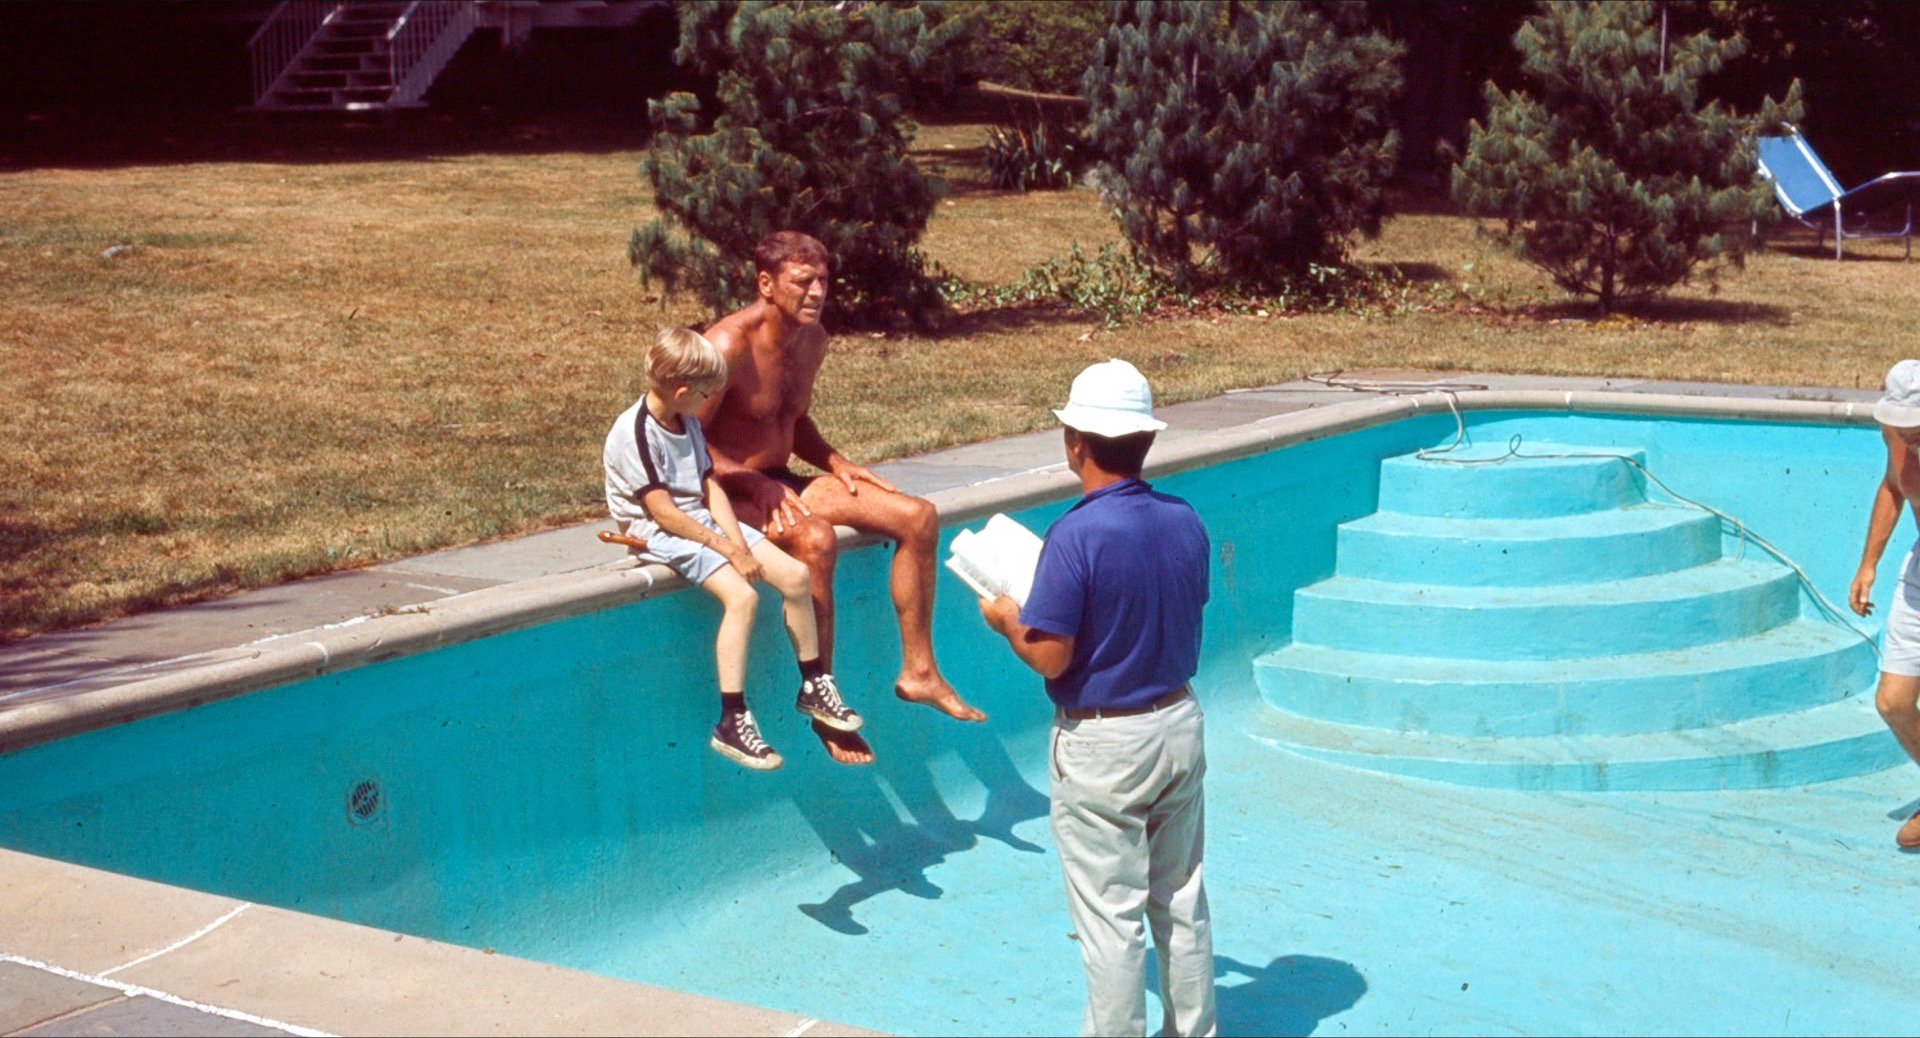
x,y
374,55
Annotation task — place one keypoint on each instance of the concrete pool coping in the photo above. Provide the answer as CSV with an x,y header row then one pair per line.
x,y
84,942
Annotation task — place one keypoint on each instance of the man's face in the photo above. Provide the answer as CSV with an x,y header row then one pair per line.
x,y
798,290
1909,436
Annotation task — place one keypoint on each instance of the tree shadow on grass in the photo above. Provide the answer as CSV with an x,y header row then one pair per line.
x,y
1668,310
1806,248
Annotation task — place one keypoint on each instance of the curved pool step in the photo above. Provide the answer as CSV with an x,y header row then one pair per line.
x,y
1837,740
1512,487
1723,600
1797,665
1584,548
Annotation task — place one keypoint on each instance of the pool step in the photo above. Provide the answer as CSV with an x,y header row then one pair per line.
x,y
1730,598
1470,484
1536,622
1584,548
1727,681
1828,742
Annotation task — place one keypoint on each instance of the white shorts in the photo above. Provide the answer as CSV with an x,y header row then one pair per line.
x,y
1901,653
691,559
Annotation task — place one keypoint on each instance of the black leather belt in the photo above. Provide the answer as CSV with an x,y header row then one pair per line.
x,y
1094,713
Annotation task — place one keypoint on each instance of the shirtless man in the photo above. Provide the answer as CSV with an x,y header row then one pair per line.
x,y
760,422
1899,695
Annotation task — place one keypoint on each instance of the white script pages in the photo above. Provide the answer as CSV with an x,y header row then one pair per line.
x,y
998,560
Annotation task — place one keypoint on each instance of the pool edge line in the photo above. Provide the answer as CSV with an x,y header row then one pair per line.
x,y
464,617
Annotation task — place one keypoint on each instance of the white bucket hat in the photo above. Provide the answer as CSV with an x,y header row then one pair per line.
x,y
1900,408
1111,398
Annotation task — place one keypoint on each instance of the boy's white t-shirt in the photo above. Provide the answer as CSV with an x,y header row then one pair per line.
x,y
642,454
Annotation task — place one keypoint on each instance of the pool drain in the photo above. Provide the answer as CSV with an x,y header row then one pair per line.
x,y
365,802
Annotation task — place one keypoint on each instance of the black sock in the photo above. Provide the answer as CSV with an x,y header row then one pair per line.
x,y
732,704
810,669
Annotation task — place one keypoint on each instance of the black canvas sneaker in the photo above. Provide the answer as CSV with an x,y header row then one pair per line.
x,y
738,737
820,700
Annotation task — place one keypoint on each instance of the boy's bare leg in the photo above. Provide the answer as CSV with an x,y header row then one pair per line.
x,y
913,523
738,599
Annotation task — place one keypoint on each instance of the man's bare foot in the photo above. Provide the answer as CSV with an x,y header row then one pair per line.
x,y
1909,835
939,695
844,747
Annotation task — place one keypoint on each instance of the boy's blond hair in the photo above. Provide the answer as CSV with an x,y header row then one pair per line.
x,y
684,357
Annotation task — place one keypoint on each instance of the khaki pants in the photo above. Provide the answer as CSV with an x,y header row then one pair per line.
x,y
1129,819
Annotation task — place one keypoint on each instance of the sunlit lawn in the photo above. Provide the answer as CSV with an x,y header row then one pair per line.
x,y
296,368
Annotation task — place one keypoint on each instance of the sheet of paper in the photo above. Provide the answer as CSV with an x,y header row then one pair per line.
x,y
998,559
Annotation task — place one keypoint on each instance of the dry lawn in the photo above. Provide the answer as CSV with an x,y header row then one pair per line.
x,y
298,368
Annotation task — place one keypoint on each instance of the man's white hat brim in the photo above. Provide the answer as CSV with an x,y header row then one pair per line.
x,y
1107,421
1899,416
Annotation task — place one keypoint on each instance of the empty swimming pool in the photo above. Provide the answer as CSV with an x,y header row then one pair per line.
x,y
1449,793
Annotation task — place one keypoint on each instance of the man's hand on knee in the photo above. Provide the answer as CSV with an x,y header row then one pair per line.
x,y
851,475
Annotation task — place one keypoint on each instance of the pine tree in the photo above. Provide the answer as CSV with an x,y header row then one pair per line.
x,y
1608,171
807,133
1244,139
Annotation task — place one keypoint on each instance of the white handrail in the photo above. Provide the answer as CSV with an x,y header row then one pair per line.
x,y
280,39
422,41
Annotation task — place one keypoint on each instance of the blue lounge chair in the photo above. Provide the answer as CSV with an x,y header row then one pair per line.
x,y
1806,189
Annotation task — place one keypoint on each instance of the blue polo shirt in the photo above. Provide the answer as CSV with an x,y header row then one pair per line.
x,y
1124,573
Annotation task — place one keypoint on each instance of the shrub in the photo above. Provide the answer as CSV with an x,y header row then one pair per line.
x,y
1245,140
807,133
1608,172
1032,46
1033,157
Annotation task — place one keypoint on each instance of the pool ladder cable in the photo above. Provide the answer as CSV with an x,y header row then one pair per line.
x,y
1451,390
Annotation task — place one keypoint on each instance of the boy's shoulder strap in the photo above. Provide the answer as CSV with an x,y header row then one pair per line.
x,y
640,419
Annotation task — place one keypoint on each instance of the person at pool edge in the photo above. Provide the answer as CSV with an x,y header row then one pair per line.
x,y
1113,623
660,488
762,420
1898,697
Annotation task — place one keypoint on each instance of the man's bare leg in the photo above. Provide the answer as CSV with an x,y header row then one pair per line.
x,y
1898,701
814,543
913,523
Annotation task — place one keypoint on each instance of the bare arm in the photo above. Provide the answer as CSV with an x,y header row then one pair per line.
x,y
659,505
811,447
1888,501
1048,654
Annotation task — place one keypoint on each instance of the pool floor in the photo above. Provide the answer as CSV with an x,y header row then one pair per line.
x,y
1351,902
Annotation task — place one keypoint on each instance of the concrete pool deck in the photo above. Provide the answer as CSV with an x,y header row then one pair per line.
x,y
91,952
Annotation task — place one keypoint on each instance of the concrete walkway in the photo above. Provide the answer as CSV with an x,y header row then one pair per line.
x,y
88,952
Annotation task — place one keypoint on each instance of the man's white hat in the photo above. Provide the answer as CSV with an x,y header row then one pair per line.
x,y
1110,399
1900,408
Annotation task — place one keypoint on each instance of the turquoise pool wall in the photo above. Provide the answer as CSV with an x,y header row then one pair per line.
x,y
549,793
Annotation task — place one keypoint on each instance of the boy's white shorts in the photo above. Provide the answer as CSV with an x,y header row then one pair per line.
x,y
1901,653
691,559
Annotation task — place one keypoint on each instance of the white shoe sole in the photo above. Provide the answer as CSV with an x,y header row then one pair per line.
x,y
746,760
852,725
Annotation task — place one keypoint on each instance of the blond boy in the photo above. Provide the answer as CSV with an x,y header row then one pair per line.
x,y
660,488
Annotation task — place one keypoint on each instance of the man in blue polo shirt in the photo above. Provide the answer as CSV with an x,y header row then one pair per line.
x,y
1113,624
